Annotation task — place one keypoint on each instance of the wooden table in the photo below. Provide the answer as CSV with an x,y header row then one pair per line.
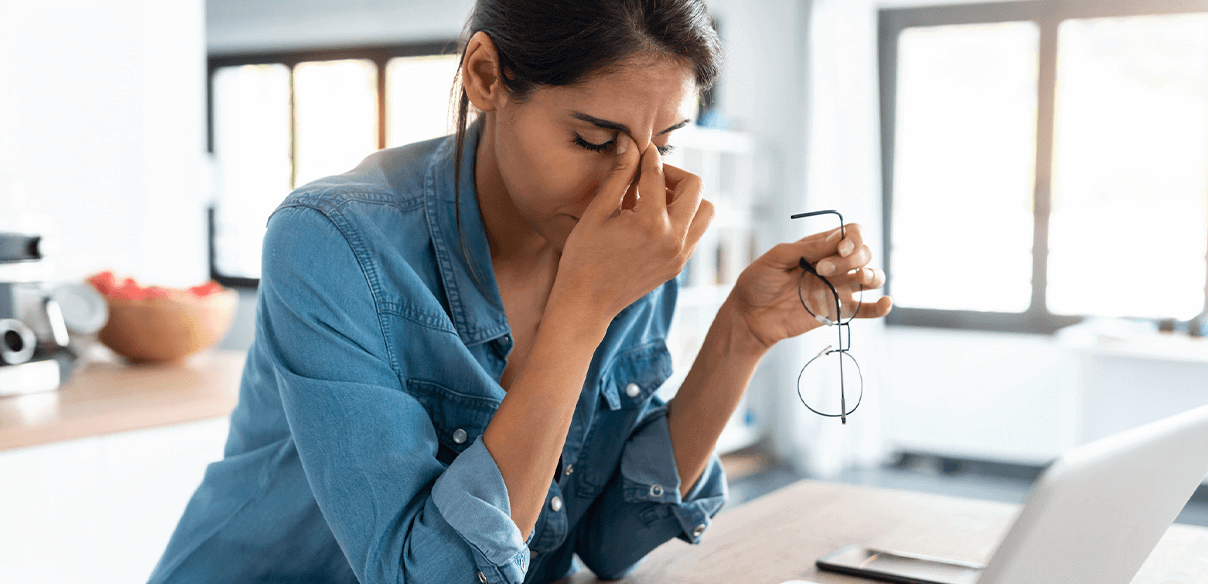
x,y
777,537
111,396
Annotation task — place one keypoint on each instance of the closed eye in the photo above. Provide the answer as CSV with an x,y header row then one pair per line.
x,y
580,142
592,146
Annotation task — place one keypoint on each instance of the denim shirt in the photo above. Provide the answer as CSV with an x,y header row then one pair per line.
x,y
355,452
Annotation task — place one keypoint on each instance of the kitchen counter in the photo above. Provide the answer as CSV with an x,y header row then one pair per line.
x,y
109,395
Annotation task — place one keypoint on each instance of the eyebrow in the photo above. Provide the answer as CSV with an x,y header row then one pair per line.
x,y
607,125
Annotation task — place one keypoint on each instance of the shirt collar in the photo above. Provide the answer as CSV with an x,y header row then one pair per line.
x,y
465,266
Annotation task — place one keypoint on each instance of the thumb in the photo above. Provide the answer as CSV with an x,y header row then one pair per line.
x,y
608,198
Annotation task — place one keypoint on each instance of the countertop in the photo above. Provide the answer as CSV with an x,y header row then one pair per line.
x,y
108,395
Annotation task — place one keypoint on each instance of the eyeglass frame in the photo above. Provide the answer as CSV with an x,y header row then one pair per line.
x,y
808,268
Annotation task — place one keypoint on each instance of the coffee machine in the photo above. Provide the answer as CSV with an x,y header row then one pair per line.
x,y
37,322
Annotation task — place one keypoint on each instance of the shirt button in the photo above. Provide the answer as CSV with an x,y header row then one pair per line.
x,y
570,468
459,436
632,390
482,578
656,491
556,504
699,530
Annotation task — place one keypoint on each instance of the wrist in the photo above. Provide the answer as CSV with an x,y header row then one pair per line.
x,y
565,311
733,326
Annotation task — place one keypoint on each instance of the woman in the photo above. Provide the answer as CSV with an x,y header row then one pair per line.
x,y
458,341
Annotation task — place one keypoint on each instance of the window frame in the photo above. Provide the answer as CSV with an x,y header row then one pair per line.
x,y
1048,16
380,55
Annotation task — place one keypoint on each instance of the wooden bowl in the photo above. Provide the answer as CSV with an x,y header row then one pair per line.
x,y
167,329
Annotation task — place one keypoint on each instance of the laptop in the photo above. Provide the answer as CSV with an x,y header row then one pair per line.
x,y
1093,516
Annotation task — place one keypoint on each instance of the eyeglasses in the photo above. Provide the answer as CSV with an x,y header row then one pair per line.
x,y
830,313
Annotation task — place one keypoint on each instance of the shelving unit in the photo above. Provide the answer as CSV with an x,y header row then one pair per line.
x,y
724,161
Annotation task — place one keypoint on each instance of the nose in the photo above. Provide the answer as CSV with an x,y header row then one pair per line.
x,y
644,139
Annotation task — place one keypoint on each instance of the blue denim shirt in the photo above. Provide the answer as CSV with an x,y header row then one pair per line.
x,y
355,453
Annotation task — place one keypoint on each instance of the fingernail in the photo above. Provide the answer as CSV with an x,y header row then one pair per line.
x,y
825,268
622,144
846,248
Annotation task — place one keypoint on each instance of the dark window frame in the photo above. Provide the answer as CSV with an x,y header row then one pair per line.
x,y
1048,16
380,55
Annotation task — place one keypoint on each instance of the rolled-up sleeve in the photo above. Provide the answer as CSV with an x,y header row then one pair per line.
x,y
641,507
367,447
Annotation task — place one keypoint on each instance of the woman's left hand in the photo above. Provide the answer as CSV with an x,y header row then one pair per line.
x,y
765,298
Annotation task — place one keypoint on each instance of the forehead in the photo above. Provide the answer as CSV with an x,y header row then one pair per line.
x,y
640,93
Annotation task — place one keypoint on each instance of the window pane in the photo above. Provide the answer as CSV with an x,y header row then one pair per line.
x,y
335,113
417,98
1130,167
964,167
251,148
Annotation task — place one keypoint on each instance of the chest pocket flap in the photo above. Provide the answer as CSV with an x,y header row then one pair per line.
x,y
635,374
459,419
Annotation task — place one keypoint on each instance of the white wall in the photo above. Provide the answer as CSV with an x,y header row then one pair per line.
x,y
102,133
264,25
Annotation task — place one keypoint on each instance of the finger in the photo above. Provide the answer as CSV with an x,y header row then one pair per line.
x,y
610,194
651,184
878,309
864,279
687,193
812,247
853,239
833,265
700,223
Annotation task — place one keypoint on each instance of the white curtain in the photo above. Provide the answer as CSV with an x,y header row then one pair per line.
x,y
842,172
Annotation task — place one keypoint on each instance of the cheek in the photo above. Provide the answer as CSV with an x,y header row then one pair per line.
x,y
551,181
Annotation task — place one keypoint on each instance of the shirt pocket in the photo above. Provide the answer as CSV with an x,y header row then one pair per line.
x,y
634,375
626,386
459,419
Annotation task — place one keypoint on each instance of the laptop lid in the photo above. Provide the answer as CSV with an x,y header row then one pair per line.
x,y
1099,510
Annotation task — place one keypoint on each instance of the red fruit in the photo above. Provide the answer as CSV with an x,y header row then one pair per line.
x,y
206,289
103,282
129,289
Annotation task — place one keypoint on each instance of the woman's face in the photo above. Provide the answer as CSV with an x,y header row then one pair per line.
x,y
555,149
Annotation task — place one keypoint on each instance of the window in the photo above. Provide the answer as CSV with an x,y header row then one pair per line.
x,y
278,121
1045,161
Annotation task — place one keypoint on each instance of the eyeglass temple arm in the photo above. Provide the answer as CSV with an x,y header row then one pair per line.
x,y
842,225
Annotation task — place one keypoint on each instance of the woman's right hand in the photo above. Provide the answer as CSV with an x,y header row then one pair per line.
x,y
618,253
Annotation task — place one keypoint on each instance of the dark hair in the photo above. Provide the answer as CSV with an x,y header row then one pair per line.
x,y
547,43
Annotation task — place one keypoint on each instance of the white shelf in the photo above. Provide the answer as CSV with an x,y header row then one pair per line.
x,y
725,162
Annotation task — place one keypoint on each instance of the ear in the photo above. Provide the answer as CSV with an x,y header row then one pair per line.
x,y
480,73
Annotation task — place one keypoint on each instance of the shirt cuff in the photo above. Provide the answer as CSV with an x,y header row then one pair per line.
x,y
649,474
473,499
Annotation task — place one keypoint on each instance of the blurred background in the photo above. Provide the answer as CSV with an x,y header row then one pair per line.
x,y
1032,175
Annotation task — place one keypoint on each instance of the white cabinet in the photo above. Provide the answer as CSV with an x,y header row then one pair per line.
x,y
99,510
1026,399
